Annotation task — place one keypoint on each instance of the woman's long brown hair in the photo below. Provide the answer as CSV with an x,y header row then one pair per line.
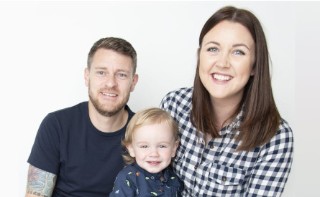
x,y
261,118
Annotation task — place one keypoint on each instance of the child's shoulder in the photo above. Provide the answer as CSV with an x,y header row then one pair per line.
x,y
131,171
128,170
172,178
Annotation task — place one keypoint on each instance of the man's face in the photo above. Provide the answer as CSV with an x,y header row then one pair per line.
x,y
110,81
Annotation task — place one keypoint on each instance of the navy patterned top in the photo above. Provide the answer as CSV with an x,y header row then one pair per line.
x,y
135,181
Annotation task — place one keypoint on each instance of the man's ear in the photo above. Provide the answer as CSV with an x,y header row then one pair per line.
x,y
134,82
86,76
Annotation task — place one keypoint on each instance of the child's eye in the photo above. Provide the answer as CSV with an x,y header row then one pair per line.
x,y
163,146
143,146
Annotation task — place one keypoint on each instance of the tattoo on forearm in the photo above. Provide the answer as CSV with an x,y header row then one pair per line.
x,y
40,183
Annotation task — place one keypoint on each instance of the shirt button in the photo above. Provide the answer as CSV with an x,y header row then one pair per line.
x,y
211,146
196,166
224,178
199,140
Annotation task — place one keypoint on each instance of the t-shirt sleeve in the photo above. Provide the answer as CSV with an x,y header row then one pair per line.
x,y
45,151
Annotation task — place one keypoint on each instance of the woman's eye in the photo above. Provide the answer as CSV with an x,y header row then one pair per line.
x,y
213,49
239,52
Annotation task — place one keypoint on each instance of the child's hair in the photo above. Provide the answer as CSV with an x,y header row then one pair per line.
x,y
147,117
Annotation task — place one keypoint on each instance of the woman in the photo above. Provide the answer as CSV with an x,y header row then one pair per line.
x,y
233,139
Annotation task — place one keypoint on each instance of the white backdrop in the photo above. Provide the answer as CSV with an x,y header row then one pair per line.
x,y
44,46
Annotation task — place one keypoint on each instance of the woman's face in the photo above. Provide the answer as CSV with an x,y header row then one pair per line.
x,y
226,61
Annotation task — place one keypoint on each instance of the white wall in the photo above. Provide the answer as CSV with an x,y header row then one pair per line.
x,y
44,45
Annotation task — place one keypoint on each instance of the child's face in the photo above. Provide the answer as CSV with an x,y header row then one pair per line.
x,y
153,146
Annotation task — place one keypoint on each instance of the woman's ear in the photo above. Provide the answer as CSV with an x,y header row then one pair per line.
x,y
252,72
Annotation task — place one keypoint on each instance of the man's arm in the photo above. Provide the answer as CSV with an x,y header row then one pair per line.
x,y
40,183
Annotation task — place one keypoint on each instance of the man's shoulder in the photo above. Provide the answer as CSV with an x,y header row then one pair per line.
x,y
83,106
67,114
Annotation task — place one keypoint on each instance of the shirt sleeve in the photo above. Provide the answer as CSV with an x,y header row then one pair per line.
x,y
273,167
45,151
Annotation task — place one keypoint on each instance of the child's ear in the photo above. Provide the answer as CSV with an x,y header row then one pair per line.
x,y
131,151
176,144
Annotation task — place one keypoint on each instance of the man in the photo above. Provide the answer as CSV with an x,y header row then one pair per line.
x,y
77,150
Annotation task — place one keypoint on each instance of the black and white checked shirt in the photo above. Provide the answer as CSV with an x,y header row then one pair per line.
x,y
215,168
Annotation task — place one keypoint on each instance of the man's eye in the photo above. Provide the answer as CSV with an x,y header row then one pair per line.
x,y
100,72
122,75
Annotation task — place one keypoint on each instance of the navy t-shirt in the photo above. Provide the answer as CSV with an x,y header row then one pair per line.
x,y
85,160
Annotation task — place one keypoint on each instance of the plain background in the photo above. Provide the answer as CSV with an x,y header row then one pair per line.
x,y
44,46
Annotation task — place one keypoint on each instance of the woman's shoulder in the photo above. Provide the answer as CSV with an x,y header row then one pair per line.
x,y
184,93
285,129
285,132
180,98
283,138
181,91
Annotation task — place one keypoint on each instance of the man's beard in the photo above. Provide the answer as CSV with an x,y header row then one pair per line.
x,y
108,112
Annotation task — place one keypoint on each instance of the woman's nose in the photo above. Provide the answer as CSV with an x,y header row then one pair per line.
x,y
223,60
